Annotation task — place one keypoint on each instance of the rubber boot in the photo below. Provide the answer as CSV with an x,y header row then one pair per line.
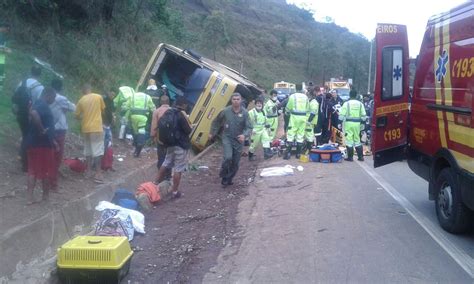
x,y
267,153
309,146
287,153
360,153
251,157
299,147
350,154
138,150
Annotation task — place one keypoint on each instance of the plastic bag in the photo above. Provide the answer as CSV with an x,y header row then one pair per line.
x,y
276,171
113,222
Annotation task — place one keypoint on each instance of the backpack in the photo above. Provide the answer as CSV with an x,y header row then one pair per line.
x,y
168,128
21,99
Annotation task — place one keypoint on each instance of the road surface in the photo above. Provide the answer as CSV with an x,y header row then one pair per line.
x,y
342,223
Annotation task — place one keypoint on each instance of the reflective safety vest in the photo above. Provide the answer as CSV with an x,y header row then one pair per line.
x,y
352,111
313,108
122,98
140,104
270,109
297,104
258,119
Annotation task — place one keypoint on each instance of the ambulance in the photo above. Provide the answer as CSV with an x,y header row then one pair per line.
x,y
434,127
207,85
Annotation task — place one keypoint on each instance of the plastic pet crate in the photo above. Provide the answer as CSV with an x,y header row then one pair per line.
x,y
94,259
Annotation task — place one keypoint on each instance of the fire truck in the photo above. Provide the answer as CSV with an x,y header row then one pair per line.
x,y
433,128
343,87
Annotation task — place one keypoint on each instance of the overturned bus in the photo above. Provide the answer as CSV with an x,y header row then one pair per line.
x,y
207,85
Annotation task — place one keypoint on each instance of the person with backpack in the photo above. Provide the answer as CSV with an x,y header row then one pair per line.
x,y
139,107
234,122
24,97
173,130
157,114
59,108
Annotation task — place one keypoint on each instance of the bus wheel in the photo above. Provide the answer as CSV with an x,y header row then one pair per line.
x,y
453,215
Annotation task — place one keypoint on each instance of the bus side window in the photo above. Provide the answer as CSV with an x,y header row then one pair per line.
x,y
392,73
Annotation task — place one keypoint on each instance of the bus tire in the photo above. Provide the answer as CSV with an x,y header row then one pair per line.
x,y
453,215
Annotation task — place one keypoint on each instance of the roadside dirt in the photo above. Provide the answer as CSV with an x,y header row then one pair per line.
x,y
185,236
72,185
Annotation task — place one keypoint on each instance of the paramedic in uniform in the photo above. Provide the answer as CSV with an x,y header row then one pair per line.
x,y
352,114
235,124
271,111
312,121
260,129
139,107
297,108
120,102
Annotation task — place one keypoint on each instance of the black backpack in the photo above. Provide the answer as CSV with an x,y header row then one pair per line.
x,y
168,128
21,99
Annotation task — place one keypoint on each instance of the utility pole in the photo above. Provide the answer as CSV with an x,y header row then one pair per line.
x,y
241,65
370,67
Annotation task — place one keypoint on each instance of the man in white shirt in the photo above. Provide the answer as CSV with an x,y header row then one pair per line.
x,y
59,108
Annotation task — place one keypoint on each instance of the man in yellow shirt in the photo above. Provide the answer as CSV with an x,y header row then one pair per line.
x,y
89,110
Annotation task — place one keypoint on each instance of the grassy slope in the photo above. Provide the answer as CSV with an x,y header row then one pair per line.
x,y
269,37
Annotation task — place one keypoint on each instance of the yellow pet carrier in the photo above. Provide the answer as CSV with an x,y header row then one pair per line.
x,y
94,259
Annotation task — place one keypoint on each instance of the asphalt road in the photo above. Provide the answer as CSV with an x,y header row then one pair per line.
x,y
342,223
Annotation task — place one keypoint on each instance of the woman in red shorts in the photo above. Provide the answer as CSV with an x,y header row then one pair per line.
x,y
41,145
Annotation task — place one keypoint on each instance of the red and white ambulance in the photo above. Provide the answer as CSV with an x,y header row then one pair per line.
x,y
433,128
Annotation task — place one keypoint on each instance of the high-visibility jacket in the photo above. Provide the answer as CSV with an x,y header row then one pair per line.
x,y
313,108
121,99
140,104
271,109
138,108
257,119
352,111
297,104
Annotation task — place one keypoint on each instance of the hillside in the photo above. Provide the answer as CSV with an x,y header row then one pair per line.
x,y
109,42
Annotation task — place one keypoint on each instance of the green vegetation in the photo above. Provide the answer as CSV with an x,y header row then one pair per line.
x,y
108,42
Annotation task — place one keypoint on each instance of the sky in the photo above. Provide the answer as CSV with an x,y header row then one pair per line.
x,y
362,16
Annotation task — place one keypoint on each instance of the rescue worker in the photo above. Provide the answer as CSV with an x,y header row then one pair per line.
x,y
352,114
120,102
139,107
236,127
313,108
271,111
297,108
152,90
260,131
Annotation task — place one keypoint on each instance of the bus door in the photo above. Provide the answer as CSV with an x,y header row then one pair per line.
x,y
390,118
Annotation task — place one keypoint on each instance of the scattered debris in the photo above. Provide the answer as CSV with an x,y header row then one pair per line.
x,y
277,171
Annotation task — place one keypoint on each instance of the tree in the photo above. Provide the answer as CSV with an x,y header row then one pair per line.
x,y
215,35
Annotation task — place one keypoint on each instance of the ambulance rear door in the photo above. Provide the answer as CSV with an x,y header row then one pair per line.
x,y
391,94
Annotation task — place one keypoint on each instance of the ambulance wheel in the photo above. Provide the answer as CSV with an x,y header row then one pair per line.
x,y
453,215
